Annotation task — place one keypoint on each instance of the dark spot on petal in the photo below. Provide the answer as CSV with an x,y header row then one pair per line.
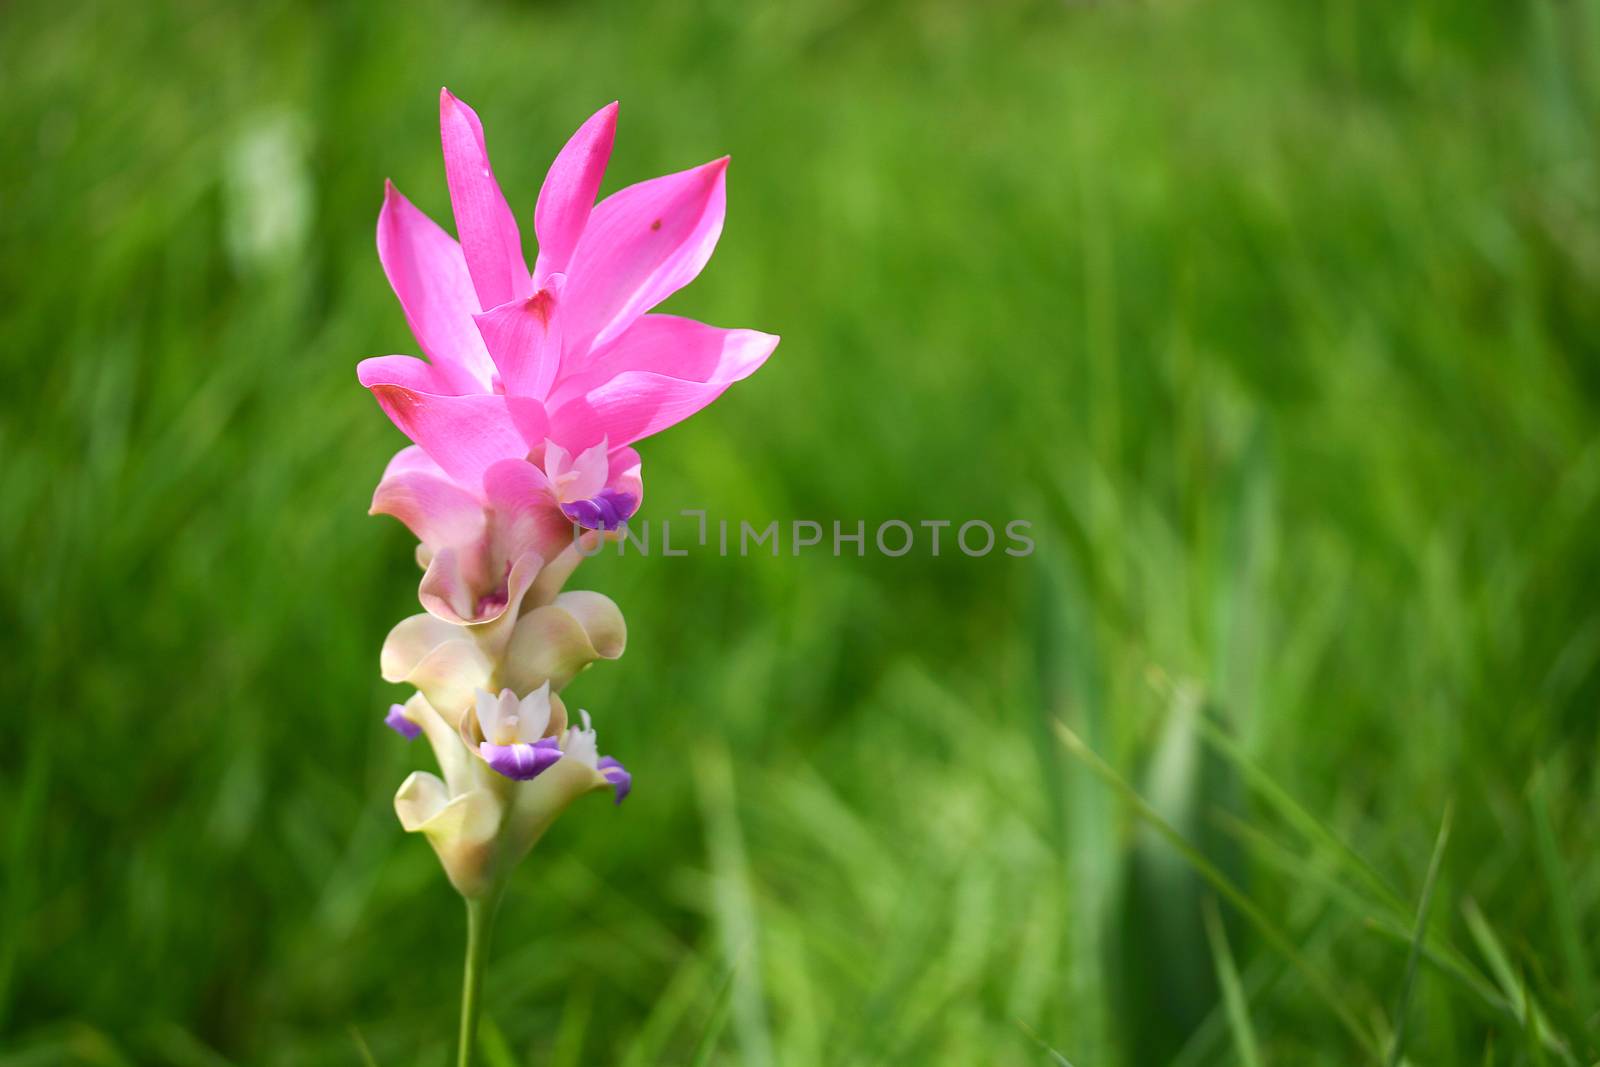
x,y
656,225
540,305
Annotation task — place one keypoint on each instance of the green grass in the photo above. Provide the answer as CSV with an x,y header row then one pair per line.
x,y
1281,322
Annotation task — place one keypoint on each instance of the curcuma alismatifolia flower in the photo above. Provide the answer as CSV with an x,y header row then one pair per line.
x,y
535,387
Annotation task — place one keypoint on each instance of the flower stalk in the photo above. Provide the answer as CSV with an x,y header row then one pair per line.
x,y
480,922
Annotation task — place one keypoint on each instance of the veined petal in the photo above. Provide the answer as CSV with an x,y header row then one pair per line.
x,y
658,373
464,435
569,189
490,241
524,339
641,245
416,490
429,274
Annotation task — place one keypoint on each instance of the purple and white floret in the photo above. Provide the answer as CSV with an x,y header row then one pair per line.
x,y
515,742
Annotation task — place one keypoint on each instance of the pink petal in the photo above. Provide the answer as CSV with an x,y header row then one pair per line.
x,y
456,587
509,486
524,338
592,468
456,596
642,245
625,473
417,491
462,434
429,275
529,417
455,591
408,371
587,471
526,518
569,189
556,461
658,373
488,230
673,346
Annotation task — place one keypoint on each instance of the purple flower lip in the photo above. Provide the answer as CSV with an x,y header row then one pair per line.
x,y
615,773
607,510
521,761
396,720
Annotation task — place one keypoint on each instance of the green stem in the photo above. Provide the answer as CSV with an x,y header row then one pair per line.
x,y
480,917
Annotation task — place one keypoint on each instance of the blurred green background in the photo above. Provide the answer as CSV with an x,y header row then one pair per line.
x,y
1281,323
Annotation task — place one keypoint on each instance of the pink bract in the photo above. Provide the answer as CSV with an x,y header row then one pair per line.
x,y
535,383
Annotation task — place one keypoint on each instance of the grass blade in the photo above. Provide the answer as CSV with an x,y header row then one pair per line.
x,y
362,1047
1233,996
1420,934
721,1005
1525,1010
1224,887
1568,933
493,1046
1298,818
1055,1057
1435,950
1444,958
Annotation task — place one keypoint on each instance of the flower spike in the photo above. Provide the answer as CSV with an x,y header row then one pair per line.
x,y
522,413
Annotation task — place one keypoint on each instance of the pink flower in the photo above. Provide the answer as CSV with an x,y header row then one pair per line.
x,y
537,383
